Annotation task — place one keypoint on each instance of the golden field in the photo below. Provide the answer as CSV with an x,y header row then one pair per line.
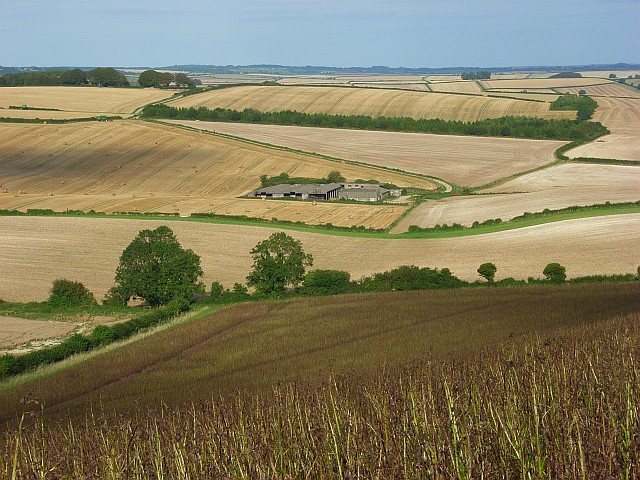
x,y
540,83
463,160
75,100
553,188
372,102
139,166
17,331
609,90
37,250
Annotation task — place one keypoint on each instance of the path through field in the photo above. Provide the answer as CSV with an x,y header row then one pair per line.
x,y
37,250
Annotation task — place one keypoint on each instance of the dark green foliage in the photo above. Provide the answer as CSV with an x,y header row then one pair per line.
x,y
155,268
517,127
625,277
488,271
151,78
410,277
326,282
567,75
335,177
73,77
585,105
479,75
66,293
278,262
216,290
613,75
183,80
555,273
107,77
332,177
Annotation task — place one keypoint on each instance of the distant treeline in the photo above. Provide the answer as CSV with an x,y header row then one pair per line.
x,y
481,75
518,127
566,75
102,77
586,106
151,78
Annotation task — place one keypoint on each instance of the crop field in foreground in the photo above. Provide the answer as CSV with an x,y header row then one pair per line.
x,y
502,383
553,188
468,161
622,117
73,100
137,166
372,102
87,250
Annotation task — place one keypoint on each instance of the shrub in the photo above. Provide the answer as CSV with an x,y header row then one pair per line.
x,y
487,270
555,273
66,293
326,282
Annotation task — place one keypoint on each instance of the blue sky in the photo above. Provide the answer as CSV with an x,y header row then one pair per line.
x,y
410,33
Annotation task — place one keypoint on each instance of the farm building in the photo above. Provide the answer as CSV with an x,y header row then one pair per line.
x,y
314,191
362,192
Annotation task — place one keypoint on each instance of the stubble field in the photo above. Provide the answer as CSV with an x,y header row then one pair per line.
x,y
467,161
17,331
609,90
540,83
77,101
37,250
137,166
372,102
553,188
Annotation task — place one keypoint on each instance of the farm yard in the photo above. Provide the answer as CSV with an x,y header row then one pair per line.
x,y
372,102
599,245
465,161
76,102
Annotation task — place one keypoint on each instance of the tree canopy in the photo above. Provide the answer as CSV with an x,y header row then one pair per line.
x,y
278,262
155,268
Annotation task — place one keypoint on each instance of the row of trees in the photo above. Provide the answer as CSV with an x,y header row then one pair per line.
x,y
479,75
518,127
152,78
586,106
102,77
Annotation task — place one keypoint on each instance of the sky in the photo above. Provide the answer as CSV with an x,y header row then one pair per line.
x,y
394,33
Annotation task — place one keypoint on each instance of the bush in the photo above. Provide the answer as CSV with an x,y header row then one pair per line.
x,y
66,293
326,282
555,273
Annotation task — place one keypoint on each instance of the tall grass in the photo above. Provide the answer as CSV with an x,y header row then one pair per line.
x,y
566,407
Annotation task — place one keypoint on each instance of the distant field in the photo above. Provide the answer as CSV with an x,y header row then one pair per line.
x,y
553,188
16,331
606,73
51,114
138,166
544,97
622,117
539,83
468,161
457,87
609,90
373,102
417,87
80,99
87,250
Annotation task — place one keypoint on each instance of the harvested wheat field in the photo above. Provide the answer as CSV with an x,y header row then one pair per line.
x,y
587,246
468,161
18,331
609,90
606,73
50,114
82,99
367,101
416,87
553,188
540,83
457,87
537,96
138,166
622,117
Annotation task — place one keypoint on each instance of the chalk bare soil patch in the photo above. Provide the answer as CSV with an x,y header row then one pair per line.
x,y
372,102
554,188
622,117
77,101
137,166
17,331
468,161
37,250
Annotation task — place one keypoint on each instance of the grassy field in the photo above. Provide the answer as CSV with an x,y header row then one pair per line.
x,y
467,161
137,166
587,246
503,383
77,101
372,102
556,187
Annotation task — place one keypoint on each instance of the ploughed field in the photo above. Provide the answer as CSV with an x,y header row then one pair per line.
x,y
38,250
76,102
134,166
466,161
371,102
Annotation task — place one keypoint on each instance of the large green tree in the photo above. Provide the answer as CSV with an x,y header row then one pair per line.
x,y
107,77
278,262
155,268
